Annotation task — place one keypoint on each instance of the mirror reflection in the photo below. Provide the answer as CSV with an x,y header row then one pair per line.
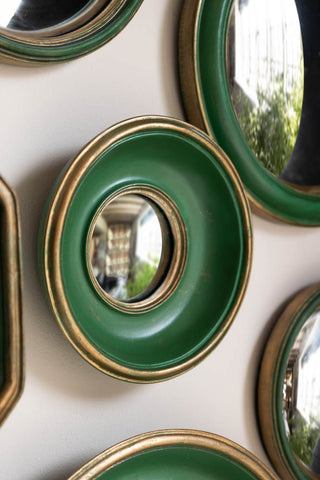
x,y
301,395
266,77
129,248
29,15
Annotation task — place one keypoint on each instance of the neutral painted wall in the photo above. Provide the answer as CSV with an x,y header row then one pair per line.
x,y
69,412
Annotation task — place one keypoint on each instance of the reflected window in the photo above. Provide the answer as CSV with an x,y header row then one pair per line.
x,y
130,248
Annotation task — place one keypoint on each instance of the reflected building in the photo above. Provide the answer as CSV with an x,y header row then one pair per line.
x,y
126,245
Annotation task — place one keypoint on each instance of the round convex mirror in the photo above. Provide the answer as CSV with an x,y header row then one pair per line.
x,y
130,248
265,76
160,267
289,389
36,31
250,76
301,395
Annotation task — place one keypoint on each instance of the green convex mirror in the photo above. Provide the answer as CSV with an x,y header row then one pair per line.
x,y
289,389
35,31
250,78
152,221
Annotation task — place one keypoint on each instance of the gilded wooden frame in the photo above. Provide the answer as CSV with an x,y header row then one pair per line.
x,y
11,307
86,34
271,376
165,439
208,105
54,227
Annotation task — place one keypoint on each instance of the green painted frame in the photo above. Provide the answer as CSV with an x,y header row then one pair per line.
x,y
170,338
11,332
272,370
31,50
175,454
208,104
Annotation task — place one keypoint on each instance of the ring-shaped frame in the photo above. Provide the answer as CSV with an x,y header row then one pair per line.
x,y
177,261
202,452
87,34
270,384
11,330
208,104
175,158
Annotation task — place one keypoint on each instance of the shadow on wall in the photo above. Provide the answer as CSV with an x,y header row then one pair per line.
x,y
169,59
49,355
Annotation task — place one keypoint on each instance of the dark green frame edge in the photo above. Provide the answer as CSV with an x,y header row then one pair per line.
x,y
15,51
289,460
273,198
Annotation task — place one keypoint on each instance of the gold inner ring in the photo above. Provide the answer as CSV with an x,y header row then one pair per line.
x,y
173,260
86,19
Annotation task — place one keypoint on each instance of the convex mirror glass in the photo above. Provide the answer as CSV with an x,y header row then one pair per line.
x,y
301,395
130,248
266,77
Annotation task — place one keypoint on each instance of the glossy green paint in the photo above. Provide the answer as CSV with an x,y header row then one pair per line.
x,y
216,260
77,46
178,463
271,193
303,314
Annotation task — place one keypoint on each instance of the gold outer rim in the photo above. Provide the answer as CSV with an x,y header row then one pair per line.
x,y
12,311
60,36
172,438
191,93
178,257
267,401
52,240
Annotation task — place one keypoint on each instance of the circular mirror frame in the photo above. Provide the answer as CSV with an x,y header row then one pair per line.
x,y
36,48
177,262
151,151
163,440
208,104
270,383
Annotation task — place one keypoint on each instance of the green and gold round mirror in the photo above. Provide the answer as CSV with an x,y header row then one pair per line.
x,y
250,78
175,455
289,389
145,249
42,31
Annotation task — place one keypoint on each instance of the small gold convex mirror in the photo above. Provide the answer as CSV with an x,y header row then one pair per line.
x,y
136,248
301,396
266,78
130,248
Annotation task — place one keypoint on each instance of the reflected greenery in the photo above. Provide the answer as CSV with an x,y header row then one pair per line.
x,y
304,438
271,125
140,277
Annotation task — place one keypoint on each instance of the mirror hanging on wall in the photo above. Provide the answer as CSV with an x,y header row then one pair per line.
x,y
31,15
36,31
301,395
